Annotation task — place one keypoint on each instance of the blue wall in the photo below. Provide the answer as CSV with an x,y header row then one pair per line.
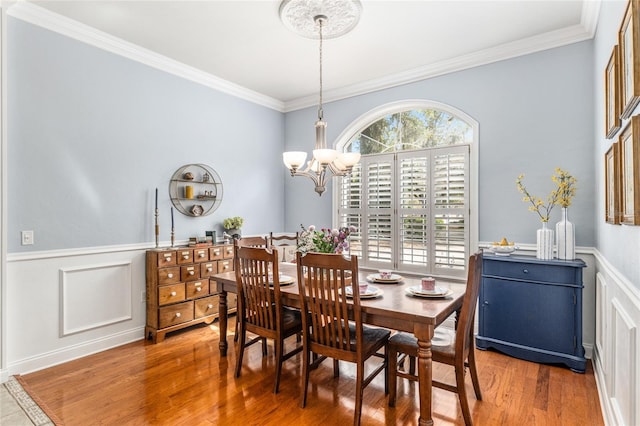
x,y
92,134
535,114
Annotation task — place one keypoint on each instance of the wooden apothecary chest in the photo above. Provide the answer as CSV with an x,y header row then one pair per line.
x,y
178,290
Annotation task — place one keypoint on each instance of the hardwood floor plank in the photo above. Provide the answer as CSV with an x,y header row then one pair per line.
x,y
183,381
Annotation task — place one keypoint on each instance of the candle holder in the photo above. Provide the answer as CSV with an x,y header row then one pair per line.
x,y
157,229
173,236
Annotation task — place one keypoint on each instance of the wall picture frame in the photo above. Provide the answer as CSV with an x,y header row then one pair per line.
x,y
628,40
612,94
612,184
630,172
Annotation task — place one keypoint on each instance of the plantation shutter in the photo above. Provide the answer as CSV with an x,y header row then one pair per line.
x,y
450,188
410,209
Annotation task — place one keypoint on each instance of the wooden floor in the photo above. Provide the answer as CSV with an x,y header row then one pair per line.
x,y
183,381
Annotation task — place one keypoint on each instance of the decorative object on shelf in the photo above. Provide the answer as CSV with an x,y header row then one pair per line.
x,y
565,237
195,185
326,240
503,247
544,243
326,19
188,192
156,216
563,193
173,230
197,210
565,230
232,226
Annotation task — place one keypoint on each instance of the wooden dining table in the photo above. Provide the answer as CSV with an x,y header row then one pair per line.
x,y
394,309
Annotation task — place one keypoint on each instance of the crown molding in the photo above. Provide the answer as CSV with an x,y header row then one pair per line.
x,y
515,49
44,18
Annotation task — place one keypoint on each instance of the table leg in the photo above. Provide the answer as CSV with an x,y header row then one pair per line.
x,y
424,334
222,312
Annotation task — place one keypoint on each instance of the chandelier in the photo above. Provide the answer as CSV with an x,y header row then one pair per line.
x,y
330,18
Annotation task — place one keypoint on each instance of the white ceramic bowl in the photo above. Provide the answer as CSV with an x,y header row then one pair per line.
x,y
503,250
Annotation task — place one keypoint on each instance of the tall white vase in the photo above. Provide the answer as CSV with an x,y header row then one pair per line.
x,y
565,237
544,248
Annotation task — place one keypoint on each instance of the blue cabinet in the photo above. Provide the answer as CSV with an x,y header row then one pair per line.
x,y
532,309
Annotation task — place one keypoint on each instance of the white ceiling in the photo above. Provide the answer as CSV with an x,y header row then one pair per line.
x,y
245,43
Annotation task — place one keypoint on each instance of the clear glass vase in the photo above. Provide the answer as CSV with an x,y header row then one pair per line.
x,y
565,237
544,247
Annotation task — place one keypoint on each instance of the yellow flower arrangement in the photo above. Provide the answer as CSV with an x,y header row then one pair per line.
x,y
566,187
562,195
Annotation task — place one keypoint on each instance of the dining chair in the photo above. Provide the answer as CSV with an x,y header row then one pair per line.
x,y
286,244
332,326
250,242
283,239
459,353
260,309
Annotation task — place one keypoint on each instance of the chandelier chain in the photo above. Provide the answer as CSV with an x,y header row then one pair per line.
x,y
320,111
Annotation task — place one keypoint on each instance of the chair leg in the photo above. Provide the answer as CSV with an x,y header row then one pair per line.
x,y
305,375
412,365
386,370
462,396
391,372
240,349
235,336
279,346
264,346
474,374
359,393
336,368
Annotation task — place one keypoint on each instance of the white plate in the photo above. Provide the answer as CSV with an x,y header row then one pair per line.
x,y
284,280
376,278
371,292
419,292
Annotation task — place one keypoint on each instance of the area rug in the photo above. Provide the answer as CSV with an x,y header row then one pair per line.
x,y
35,409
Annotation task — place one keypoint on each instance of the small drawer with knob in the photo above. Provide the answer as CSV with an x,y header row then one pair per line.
x,y
168,275
171,294
175,314
197,288
228,252
208,269
201,255
528,271
225,266
215,253
166,258
184,256
206,306
189,272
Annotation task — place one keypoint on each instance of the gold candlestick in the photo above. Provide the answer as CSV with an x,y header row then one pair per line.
x,y
173,236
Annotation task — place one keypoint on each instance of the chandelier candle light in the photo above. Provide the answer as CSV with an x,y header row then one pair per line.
x,y
315,14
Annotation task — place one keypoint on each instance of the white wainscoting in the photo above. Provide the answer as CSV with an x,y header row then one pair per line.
x,y
617,347
87,296
63,305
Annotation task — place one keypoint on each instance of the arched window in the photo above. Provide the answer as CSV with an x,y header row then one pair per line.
x,y
409,197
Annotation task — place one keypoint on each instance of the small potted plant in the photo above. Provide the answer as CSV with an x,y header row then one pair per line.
x,y
232,226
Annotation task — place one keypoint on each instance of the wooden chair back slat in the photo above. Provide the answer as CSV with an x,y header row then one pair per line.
x,y
325,280
258,300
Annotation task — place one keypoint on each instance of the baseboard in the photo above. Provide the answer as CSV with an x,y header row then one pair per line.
x,y
69,353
